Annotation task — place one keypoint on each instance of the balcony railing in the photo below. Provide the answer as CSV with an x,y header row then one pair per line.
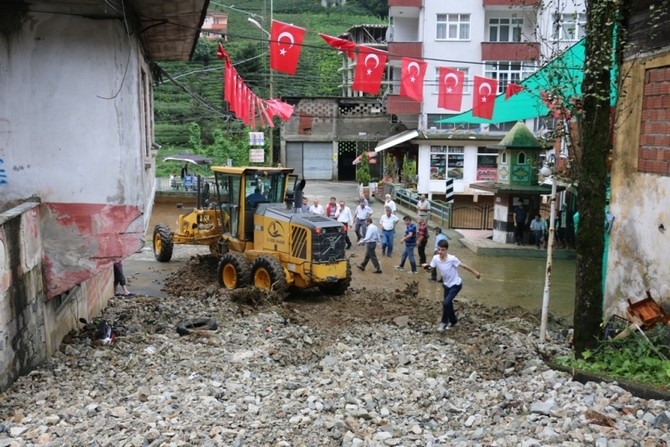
x,y
510,3
401,105
510,51
410,3
399,50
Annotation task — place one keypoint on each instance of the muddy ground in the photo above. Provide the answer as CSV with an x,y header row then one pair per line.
x,y
399,302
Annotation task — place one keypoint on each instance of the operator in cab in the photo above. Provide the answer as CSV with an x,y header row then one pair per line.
x,y
255,198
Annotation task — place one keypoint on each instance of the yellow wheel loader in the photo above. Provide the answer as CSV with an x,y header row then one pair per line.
x,y
256,224
202,225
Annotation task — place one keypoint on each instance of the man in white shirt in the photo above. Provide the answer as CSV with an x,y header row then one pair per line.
x,y
362,212
343,214
370,240
316,208
390,203
423,207
387,223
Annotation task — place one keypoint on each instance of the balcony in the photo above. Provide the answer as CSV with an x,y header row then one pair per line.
x,y
510,51
407,3
398,50
401,105
509,3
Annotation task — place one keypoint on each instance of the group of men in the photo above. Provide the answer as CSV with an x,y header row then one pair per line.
x,y
415,235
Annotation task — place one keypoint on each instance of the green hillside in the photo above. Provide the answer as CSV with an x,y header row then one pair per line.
x,y
192,117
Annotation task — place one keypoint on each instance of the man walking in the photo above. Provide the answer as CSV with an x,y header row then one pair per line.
x,y
422,239
423,207
370,240
520,216
363,211
390,203
387,223
439,236
343,214
410,242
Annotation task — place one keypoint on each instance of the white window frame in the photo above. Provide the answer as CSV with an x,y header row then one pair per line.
x,y
452,27
508,71
511,25
569,27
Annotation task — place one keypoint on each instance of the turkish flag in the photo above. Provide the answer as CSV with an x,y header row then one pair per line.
x,y
229,82
450,88
369,71
484,97
512,89
285,46
221,53
340,44
278,107
411,78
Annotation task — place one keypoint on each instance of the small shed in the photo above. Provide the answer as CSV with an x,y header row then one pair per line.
x,y
518,169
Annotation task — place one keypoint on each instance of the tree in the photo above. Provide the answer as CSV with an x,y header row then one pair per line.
x,y
363,170
595,127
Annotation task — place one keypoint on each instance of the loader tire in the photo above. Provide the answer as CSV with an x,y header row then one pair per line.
x,y
339,287
234,271
163,244
267,273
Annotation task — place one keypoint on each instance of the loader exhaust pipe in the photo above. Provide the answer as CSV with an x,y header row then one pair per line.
x,y
297,197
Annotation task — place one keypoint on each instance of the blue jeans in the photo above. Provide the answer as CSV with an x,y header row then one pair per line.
x,y
387,242
408,252
448,314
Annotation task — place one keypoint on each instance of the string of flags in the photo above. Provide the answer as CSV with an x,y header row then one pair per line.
x,y
286,45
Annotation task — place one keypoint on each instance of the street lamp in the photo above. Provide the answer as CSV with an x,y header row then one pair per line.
x,y
548,172
255,23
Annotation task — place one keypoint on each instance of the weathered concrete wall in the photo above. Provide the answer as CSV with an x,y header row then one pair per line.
x,y
639,252
76,129
32,327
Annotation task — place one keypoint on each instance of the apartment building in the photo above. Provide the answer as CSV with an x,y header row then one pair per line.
x,y
505,40
215,26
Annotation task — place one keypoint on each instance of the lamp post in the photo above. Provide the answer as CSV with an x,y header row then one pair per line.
x,y
546,172
271,75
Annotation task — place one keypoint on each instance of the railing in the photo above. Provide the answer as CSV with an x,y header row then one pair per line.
x,y
440,212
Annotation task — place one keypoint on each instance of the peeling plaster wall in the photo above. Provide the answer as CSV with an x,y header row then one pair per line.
x,y
73,134
639,253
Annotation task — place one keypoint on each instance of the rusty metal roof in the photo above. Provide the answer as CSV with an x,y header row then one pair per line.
x,y
169,29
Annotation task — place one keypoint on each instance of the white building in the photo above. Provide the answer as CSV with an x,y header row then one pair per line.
x,y
506,40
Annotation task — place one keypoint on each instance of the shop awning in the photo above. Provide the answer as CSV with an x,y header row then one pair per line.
x,y
396,140
563,75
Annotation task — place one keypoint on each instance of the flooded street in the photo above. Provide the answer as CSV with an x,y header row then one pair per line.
x,y
506,281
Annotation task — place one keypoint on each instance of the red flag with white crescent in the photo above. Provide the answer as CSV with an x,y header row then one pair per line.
x,y
484,97
285,45
450,88
344,45
411,78
369,71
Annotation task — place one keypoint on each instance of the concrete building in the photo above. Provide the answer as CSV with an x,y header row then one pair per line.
x,y
506,40
215,26
77,156
639,241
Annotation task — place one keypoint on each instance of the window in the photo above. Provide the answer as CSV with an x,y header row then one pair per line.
x,y
453,27
466,86
505,72
446,162
487,166
521,158
569,27
505,30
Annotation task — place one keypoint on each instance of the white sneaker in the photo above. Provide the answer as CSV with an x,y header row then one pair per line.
x,y
441,327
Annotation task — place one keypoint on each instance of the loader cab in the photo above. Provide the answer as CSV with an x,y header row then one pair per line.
x,y
241,189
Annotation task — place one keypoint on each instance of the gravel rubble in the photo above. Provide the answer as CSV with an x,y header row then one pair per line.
x,y
279,373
